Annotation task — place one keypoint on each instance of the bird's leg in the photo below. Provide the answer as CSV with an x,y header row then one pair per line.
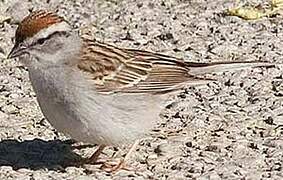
x,y
93,159
122,163
132,149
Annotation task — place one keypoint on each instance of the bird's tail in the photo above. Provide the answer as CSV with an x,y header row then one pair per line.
x,y
214,67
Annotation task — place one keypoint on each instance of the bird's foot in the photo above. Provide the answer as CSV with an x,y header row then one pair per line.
x,y
112,166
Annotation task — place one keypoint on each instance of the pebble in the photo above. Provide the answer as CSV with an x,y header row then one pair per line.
x,y
19,9
10,109
14,96
3,116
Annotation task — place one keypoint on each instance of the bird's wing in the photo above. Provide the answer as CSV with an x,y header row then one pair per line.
x,y
132,71
115,69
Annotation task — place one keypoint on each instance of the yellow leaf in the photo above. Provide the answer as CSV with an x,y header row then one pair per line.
x,y
277,3
246,13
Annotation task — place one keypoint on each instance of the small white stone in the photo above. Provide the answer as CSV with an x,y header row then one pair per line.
x,y
3,116
10,109
5,81
14,96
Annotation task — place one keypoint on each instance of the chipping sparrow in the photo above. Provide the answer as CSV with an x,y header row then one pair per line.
x,y
98,93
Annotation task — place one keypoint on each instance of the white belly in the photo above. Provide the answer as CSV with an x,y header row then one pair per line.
x,y
76,109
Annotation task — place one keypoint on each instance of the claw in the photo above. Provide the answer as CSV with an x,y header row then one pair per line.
x,y
111,166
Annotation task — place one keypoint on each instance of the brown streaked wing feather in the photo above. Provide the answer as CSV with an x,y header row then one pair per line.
x,y
132,71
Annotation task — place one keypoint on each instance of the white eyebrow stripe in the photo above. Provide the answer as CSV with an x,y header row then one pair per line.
x,y
44,33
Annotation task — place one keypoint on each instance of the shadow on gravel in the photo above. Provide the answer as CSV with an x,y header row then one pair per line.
x,y
37,154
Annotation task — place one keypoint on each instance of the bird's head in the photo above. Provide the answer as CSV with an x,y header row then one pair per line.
x,y
44,35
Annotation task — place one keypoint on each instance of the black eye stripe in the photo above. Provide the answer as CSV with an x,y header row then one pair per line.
x,y
42,40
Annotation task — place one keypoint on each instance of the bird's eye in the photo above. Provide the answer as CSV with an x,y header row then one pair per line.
x,y
41,41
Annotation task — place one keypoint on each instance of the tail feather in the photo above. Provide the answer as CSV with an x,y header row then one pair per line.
x,y
206,68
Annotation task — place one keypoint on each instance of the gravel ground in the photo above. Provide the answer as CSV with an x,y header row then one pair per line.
x,y
230,129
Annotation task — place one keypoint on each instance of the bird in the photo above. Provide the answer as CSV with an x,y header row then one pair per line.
x,y
99,93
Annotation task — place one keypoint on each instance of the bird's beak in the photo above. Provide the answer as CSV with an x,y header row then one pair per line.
x,y
16,51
